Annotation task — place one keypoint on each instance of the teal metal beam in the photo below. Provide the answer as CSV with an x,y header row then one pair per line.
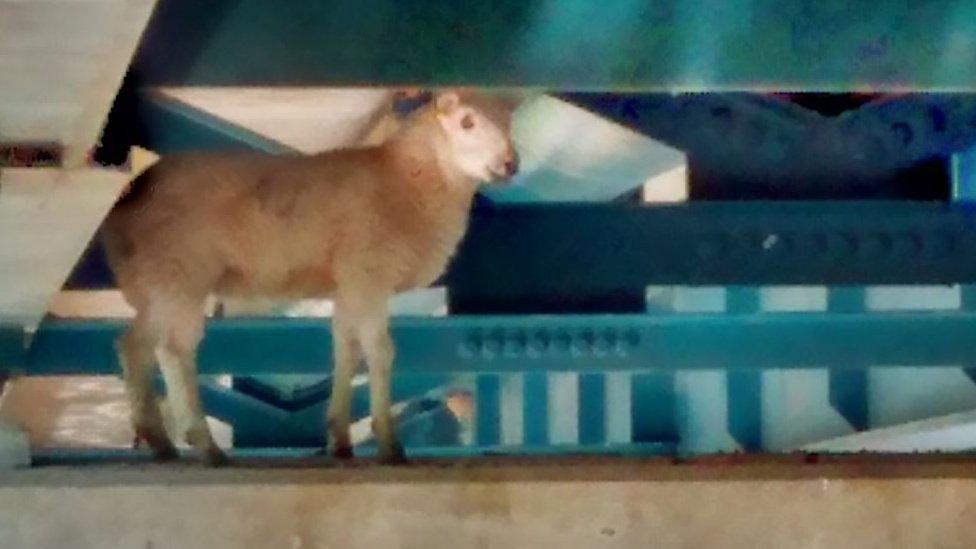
x,y
572,256
168,125
13,350
653,407
601,257
584,343
576,44
848,388
83,456
743,389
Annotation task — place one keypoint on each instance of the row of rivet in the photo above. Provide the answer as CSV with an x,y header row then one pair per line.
x,y
548,342
902,243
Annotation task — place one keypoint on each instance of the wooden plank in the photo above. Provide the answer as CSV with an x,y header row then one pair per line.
x,y
47,217
81,135
25,121
55,26
44,77
62,62
571,502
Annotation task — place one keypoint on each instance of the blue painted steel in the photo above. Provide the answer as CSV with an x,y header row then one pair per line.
x,y
285,392
601,257
848,394
848,299
260,423
535,409
653,407
13,349
741,300
848,389
625,44
487,418
425,423
81,456
584,343
167,125
744,389
744,405
592,409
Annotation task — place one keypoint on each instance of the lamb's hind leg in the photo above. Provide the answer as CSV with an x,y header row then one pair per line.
x,y
135,351
369,316
182,330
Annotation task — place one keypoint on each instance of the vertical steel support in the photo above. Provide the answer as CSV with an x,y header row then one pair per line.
x,y
744,388
848,388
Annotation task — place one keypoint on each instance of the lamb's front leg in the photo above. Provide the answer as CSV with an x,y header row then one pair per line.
x,y
369,316
378,348
345,358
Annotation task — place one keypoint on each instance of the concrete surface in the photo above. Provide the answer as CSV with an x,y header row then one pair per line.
x,y
498,503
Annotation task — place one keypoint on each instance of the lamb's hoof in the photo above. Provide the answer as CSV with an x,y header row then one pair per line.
x,y
215,457
341,452
394,456
166,453
162,448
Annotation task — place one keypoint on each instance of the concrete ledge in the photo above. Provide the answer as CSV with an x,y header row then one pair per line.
x,y
553,502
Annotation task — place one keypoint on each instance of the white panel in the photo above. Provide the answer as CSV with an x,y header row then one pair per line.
x,y
618,407
44,25
912,298
307,119
699,299
511,409
563,407
899,395
793,298
61,63
568,153
47,218
951,433
35,121
44,78
796,409
702,412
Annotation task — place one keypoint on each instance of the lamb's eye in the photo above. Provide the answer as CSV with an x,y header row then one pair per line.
x,y
467,122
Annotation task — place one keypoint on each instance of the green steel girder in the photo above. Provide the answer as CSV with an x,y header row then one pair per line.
x,y
569,256
163,124
582,343
567,44
561,258
168,124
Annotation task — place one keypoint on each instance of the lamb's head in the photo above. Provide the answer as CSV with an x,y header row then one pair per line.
x,y
478,139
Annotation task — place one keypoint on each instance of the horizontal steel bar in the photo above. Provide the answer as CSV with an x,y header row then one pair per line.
x,y
587,343
559,258
167,125
87,456
571,44
580,251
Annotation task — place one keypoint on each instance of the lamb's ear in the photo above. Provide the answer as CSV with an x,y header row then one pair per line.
x,y
446,102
